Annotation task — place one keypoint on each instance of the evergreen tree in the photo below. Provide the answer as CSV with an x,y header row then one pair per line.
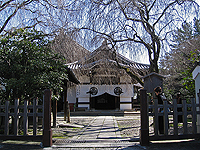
x,y
180,60
28,65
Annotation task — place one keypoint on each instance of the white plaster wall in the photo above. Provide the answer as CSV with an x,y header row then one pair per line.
x,y
81,91
71,94
125,99
197,87
195,72
125,106
127,89
83,99
84,105
196,76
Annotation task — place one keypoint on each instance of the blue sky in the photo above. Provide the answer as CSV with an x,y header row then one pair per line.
x,y
141,56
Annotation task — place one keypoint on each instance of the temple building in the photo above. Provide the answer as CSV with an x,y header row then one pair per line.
x,y
104,82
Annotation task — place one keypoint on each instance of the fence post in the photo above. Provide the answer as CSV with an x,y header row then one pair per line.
x,y
194,116
166,120
68,112
65,99
144,131
25,119
35,119
16,118
155,118
7,110
184,117
47,132
175,117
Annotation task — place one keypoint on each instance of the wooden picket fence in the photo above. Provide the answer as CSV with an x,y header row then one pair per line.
x,y
170,117
10,116
171,125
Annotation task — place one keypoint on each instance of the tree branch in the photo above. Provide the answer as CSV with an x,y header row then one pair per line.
x,y
14,13
5,5
123,11
162,14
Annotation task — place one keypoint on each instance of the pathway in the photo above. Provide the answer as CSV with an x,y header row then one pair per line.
x,y
102,132
102,127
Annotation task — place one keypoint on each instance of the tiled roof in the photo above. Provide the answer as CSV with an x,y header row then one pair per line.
x,y
87,62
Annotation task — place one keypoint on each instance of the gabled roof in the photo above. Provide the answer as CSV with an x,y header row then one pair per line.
x,y
70,49
71,76
105,54
155,74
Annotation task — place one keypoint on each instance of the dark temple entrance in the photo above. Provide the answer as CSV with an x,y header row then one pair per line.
x,y
105,102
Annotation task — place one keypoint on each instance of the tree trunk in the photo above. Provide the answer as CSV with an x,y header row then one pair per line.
x,y
153,66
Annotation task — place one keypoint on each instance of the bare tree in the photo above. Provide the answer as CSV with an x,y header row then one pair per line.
x,y
134,25
45,15
129,23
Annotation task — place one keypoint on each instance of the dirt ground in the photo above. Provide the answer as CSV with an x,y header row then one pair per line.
x,y
129,127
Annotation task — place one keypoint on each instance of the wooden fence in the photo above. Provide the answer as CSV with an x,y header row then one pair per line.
x,y
20,121
172,129
12,115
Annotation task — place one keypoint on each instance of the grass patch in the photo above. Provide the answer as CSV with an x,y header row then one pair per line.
x,y
74,129
126,127
59,135
189,119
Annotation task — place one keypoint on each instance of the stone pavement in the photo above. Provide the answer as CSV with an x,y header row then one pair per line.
x,y
101,133
102,127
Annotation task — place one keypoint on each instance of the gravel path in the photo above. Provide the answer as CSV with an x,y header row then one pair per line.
x,y
128,125
68,132
129,128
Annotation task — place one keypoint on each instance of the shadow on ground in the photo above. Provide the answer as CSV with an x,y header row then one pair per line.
x,y
19,145
175,145
156,145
